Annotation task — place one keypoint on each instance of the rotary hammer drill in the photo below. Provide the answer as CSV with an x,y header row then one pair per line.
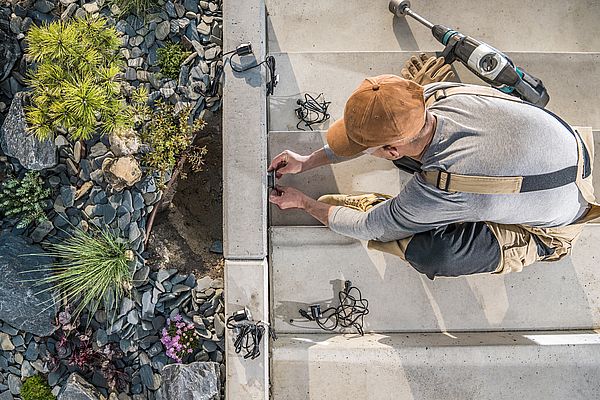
x,y
489,64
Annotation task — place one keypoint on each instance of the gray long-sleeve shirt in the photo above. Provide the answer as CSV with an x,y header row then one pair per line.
x,y
476,136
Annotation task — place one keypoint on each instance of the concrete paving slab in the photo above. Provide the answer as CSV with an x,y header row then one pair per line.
x,y
369,174
356,25
244,137
532,365
310,264
247,286
573,81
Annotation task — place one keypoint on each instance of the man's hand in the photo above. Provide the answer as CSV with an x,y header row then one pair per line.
x,y
424,70
287,162
287,197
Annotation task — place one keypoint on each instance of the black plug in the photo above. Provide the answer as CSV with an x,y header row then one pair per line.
x,y
244,49
242,315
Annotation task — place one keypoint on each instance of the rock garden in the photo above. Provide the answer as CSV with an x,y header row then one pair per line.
x,y
110,200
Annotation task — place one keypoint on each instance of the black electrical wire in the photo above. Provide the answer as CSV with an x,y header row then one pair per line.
x,y
350,313
249,335
273,78
312,110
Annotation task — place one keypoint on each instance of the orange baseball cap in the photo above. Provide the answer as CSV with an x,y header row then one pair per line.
x,y
384,109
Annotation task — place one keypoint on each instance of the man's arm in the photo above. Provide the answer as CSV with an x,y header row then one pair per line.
x,y
288,198
289,162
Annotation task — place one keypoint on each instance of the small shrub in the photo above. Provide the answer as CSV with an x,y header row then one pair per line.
x,y
92,268
170,58
24,199
179,338
75,84
169,136
36,388
138,7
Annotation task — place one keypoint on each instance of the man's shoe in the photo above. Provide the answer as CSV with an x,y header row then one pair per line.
x,y
361,202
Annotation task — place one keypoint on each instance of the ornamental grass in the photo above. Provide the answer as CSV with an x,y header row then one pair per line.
x,y
92,269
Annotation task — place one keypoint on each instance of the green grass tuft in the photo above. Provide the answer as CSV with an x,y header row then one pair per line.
x,y
92,268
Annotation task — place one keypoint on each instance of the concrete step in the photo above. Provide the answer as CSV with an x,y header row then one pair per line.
x,y
532,365
309,265
356,25
572,79
364,174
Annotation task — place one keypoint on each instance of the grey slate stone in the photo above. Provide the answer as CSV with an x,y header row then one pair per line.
x,y
22,302
78,389
195,381
18,143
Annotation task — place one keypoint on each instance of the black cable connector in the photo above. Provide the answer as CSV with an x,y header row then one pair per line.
x,y
312,110
349,314
249,333
245,49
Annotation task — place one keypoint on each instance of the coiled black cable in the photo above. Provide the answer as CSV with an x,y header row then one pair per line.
x,y
312,110
249,335
350,313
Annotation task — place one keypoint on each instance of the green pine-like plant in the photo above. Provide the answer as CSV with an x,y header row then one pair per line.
x,y
36,388
169,59
92,269
75,81
24,199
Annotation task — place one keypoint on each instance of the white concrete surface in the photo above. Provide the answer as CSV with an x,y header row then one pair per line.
x,y
358,25
309,265
573,80
525,365
244,136
246,285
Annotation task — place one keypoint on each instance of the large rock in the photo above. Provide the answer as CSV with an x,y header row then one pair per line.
x,y
195,381
121,172
124,143
10,51
78,389
20,144
23,302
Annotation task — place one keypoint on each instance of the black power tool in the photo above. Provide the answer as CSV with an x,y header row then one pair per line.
x,y
486,62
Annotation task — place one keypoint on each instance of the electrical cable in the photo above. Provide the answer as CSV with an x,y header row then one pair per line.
x,y
249,333
312,111
349,314
272,78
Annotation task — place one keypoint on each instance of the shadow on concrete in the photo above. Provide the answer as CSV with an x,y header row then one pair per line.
x,y
404,35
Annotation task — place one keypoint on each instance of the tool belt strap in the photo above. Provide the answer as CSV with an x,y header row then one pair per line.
x,y
452,182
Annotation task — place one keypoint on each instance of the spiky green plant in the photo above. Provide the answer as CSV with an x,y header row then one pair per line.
x,y
138,7
92,269
169,136
24,199
169,59
36,388
75,80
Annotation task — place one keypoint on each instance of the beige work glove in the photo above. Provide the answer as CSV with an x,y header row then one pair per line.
x,y
424,70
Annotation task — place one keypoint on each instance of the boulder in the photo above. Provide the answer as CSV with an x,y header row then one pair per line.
x,y
121,172
10,52
195,381
20,144
78,389
124,143
23,302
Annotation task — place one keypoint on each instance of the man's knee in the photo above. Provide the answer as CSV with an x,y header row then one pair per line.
x,y
454,250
